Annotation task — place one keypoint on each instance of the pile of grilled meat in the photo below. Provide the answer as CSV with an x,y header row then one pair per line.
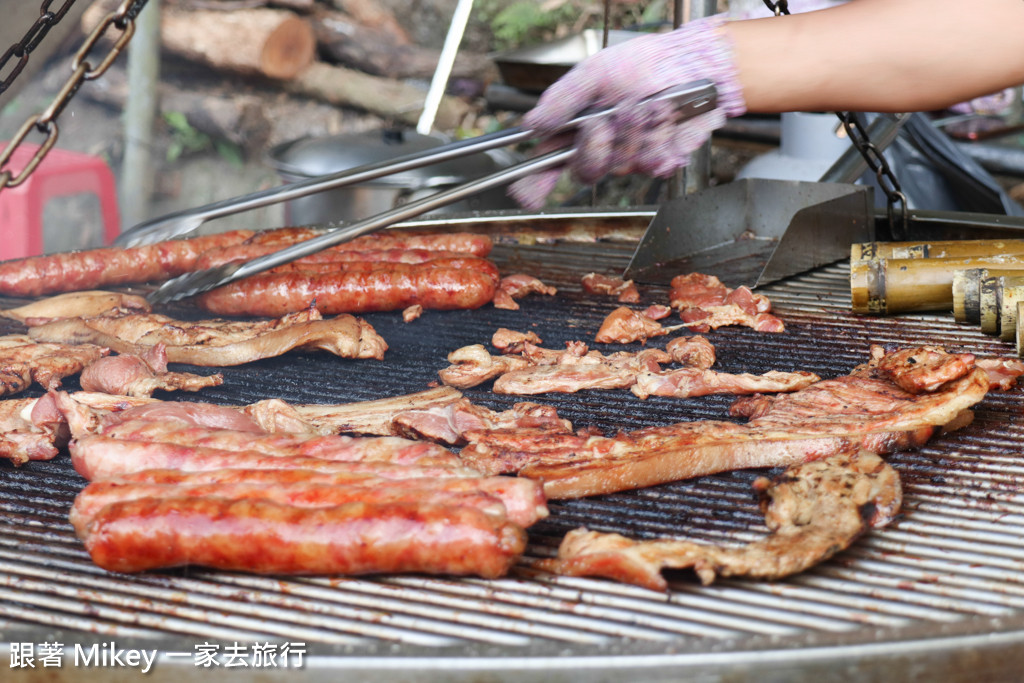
x,y
431,482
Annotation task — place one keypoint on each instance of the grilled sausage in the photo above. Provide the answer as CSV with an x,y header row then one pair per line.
x,y
217,257
326,265
393,288
98,495
269,241
108,266
269,538
523,498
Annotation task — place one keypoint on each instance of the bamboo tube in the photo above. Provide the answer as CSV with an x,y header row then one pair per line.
x,y
1011,291
866,251
1020,328
966,291
885,286
988,305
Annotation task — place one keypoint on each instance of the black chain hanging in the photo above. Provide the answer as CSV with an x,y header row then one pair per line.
x,y
121,19
896,200
30,41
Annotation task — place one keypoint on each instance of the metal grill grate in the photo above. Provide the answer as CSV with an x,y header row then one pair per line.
x,y
941,583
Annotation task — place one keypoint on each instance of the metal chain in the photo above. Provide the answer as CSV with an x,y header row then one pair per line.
x,y
30,41
121,20
896,200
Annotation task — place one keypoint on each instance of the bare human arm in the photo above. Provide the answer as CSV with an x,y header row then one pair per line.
x,y
865,55
880,55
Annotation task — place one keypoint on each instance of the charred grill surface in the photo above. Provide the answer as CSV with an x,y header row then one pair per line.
x,y
951,564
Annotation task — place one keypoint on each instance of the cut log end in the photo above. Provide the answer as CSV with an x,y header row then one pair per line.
x,y
289,49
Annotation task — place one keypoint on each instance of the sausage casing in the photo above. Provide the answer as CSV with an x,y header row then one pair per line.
x,y
392,288
269,538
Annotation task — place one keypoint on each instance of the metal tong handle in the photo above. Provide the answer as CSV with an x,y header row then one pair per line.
x,y
690,101
183,222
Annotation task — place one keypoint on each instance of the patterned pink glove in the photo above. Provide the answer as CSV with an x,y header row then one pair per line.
x,y
641,138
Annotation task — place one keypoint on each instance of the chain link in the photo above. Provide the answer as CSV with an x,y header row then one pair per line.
x,y
895,199
120,20
30,41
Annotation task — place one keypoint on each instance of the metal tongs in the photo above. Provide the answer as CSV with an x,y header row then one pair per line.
x,y
689,101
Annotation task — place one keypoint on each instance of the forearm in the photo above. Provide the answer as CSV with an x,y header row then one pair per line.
x,y
880,55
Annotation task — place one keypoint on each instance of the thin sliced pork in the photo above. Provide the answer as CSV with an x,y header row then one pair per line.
x,y
848,413
813,511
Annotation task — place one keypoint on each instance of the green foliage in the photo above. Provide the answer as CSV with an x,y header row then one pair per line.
x,y
515,23
185,139
527,21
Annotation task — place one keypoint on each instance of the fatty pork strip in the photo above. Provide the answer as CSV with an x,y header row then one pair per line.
x,y
83,304
625,326
813,511
625,291
517,286
24,360
705,303
108,266
30,429
330,447
858,411
219,342
690,382
537,370
130,375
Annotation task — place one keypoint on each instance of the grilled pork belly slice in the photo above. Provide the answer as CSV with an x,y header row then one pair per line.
x,y
689,382
693,352
30,429
1002,372
625,326
511,341
705,303
219,342
24,360
129,375
519,285
98,458
848,413
375,417
625,291
77,305
449,423
813,511
331,447
473,365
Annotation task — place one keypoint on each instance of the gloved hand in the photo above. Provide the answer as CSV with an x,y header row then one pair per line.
x,y
641,138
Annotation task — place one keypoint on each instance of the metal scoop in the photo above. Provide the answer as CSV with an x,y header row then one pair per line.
x,y
755,231
689,101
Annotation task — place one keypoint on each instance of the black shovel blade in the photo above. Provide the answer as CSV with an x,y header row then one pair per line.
x,y
754,231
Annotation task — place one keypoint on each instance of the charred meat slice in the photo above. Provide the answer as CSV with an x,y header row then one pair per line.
x,y
831,416
813,511
219,342
24,360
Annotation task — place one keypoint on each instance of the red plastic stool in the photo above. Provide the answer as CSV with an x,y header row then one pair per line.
x,y
61,173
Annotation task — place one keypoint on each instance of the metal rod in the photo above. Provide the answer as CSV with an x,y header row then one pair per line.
x,y
136,182
444,67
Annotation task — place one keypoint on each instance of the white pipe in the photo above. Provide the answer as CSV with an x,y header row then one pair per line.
x,y
444,68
